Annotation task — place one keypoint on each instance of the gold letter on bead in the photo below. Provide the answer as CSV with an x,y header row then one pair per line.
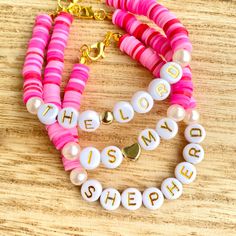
x,y
173,71
161,89
193,152
196,132
88,124
109,153
122,115
113,199
153,197
130,198
67,117
170,189
166,127
148,140
47,110
186,174
91,189
143,103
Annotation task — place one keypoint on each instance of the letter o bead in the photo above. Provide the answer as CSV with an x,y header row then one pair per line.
x,y
153,198
89,121
185,172
68,117
111,157
171,188
91,190
167,128
142,102
172,72
159,89
47,113
149,139
123,112
110,199
90,158
195,133
131,199
193,153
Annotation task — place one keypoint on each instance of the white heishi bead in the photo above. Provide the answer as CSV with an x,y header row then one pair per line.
x,y
153,198
176,112
195,133
90,158
193,153
131,199
33,105
171,72
91,190
47,113
159,89
171,188
89,121
167,128
149,139
142,102
185,172
110,199
111,157
68,117
123,112
78,176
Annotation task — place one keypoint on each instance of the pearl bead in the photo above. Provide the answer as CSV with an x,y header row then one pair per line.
x,y
33,105
182,57
78,176
176,112
71,151
192,116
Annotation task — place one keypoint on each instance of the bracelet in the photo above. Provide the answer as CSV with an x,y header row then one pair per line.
x,y
62,118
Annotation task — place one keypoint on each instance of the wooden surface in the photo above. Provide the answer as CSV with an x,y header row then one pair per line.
x,y
36,196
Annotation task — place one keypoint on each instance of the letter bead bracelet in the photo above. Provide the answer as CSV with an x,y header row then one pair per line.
x,y
165,54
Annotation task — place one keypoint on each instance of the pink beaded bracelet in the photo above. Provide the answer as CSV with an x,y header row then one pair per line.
x,y
151,49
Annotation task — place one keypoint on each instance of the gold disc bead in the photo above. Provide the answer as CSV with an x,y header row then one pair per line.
x,y
107,118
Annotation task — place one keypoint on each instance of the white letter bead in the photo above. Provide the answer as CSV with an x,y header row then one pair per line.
x,y
123,112
171,188
193,153
91,190
47,113
111,157
149,139
142,102
110,199
195,133
68,117
153,198
131,199
171,72
159,89
185,172
167,128
90,158
89,121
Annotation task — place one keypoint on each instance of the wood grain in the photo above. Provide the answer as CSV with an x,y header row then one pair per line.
x,y
36,197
